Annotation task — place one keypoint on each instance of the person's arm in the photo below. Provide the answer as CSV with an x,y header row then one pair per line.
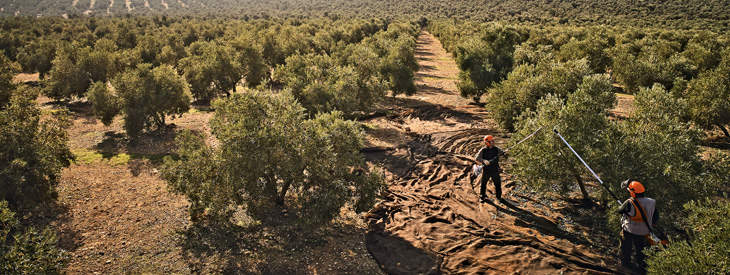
x,y
478,157
625,207
502,152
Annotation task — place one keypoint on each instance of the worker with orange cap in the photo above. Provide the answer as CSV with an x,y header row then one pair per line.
x,y
488,156
635,228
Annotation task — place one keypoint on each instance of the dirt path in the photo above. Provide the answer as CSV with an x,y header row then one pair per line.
x,y
431,219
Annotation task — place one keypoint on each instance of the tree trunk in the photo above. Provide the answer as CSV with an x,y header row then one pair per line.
x,y
575,173
723,129
281,196
159,121
582,186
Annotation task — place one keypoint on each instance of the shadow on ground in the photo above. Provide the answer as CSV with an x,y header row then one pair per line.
x,y
276,245
397,256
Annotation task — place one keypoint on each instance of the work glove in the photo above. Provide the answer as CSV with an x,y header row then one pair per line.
x,y
486,163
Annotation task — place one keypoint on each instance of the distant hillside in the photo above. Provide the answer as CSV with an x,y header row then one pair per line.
x,y
714,14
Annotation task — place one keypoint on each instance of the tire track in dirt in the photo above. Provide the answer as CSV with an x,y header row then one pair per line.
x,y
430,219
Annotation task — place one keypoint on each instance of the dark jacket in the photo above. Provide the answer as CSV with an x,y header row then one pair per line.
x,y
491,155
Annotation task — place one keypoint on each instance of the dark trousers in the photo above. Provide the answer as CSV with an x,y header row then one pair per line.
x,y
638,242
496,179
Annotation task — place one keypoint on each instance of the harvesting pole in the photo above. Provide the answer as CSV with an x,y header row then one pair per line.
x,y
586,165
523,140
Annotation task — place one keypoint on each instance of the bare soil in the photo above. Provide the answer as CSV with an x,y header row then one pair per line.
x,y
117,216
431,221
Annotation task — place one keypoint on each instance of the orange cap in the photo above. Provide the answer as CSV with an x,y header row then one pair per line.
x,y
488,138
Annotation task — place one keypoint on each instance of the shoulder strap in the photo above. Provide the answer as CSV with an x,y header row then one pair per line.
x,y
643,216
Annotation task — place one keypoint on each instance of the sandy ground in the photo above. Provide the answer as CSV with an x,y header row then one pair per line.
x,y
431,221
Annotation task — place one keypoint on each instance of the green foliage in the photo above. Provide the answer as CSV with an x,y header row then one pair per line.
x,y
29,252
696,14
75,68
656,147
104,103
592,48
251,61
322,86
527,84
37,57
485,59
211,69
270,154
355,76
66,79
582,120
33,153
145,95
8,69
708,97
709,250
399,63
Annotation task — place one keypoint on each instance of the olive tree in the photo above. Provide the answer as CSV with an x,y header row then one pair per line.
x,y
582,120
210,69
33,153
27,250
485,59
529,83
321,85
270,154
710,243
38,56
708,97
145,95
67,78
251,61
399,64
75,68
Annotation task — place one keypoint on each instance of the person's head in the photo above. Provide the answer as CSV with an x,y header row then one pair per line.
x,y
489,141
635,188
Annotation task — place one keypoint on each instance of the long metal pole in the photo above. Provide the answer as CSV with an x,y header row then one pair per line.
x,y
523,140
586,165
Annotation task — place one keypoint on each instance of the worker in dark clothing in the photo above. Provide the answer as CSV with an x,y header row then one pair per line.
x,y
635,232
488,156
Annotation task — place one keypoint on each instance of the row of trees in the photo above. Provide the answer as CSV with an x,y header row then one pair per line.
x,y
515,66
675,14
148,69
565,79
284,143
